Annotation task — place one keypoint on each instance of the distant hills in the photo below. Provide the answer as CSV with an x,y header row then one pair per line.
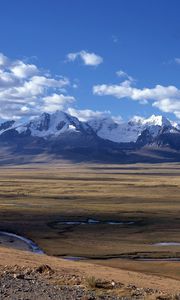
x,y
61,135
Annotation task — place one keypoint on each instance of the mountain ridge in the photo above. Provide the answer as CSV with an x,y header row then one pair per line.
x,y
106,128
97,139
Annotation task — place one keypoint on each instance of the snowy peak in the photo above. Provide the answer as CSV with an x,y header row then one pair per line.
x,y
157,121
152,120
6,125
129,131
108,129
42,123
100,139
52,125
99,123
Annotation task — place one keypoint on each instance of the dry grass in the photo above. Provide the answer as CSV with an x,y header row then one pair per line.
x,y
34,197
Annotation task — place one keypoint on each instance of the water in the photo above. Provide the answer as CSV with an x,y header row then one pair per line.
x,y
73,258
94,221
158,259
32,246
167,244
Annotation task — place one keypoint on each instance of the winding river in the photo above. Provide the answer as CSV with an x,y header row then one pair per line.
x,y
18,242
12,240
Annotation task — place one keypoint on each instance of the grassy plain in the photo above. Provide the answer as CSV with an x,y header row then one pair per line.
x,y
33,198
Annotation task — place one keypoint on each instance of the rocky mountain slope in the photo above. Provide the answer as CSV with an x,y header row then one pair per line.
x,y
62,134
127,132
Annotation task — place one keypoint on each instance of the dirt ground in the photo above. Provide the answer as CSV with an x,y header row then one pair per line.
x,y
10,257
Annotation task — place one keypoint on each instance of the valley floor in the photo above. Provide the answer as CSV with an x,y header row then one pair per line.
x,y
123,220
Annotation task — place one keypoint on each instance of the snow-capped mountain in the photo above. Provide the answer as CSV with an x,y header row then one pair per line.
x,y
54,125
67,130
50,126
127,132
100,139
6,125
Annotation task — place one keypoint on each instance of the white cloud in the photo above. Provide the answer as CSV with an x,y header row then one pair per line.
x,y
7,79
25,109
50,82
125,90
89,59
56,102
177,60
3,60
72,56
24,89
122,90
115,39
166,98
169,106
22,70
87,114
123,74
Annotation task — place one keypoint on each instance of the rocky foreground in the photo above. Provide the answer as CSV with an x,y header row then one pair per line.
x,y
45,283
28,276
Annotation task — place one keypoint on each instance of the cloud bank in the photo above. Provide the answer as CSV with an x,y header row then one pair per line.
x,y
166,98
26,90
85,115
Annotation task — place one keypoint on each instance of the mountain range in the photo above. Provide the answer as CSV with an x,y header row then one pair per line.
x,y
102,139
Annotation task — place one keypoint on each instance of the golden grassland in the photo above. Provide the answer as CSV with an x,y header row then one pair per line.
x,y
33,198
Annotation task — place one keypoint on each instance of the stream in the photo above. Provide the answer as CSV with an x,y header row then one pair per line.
x,y
18,242
15,241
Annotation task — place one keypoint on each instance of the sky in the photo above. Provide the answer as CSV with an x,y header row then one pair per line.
x,y
91,58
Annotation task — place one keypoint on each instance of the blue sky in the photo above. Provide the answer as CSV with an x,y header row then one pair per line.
x,y
138,38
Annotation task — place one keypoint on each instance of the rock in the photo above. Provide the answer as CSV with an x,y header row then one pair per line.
x,y
18,276
44,269
164,297
24,283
